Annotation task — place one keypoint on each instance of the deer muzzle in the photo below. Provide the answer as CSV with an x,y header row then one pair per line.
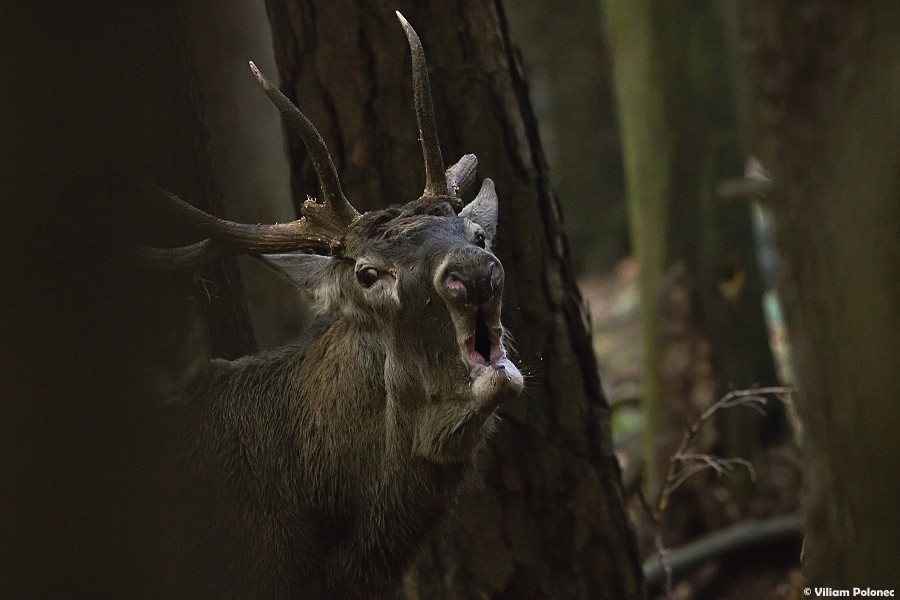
x,y
472,288
473,293
475,290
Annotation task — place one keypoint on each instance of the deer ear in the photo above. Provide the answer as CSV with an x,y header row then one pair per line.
x,y
483,209
309,272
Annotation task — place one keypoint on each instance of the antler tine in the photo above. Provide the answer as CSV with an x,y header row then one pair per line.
x,y
318,233
332,194
435,182
322,234
320,229
183,258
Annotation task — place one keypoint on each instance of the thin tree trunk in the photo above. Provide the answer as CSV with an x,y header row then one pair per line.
x,y
680,136
548,520
247,153
569,70
229,321
825,83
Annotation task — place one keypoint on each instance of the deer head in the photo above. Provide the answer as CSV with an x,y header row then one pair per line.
x,y
418,280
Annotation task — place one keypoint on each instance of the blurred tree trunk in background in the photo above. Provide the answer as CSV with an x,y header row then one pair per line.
x,y
570,77
825,83
192,174
680,138
548,521
247,153
102,90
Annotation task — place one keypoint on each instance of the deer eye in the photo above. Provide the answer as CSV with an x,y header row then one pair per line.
x,y
367,276
479,240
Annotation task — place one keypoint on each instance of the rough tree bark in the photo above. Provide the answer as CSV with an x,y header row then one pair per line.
x,y
548,521
825,83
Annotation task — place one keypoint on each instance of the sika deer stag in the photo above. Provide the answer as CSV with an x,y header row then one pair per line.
x,y
324,465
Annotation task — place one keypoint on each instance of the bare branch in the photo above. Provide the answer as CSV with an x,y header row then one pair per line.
x,y
684,464
717,543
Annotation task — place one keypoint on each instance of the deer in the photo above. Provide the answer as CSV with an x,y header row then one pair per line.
x,y
325,465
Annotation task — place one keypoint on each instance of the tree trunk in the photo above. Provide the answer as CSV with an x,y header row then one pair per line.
x,y
548,519
825,83
229,322
99,93
570,76
680,136
247,153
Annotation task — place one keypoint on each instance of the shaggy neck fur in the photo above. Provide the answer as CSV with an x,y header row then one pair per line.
x,y
343,477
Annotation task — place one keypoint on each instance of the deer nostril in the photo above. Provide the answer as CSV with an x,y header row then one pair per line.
x,y
495,273
490,284
460,286
478,289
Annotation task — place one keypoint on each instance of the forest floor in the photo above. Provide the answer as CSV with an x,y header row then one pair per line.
x,y
708,511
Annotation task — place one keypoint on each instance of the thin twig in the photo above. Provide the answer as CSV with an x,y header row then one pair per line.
x,y
685,464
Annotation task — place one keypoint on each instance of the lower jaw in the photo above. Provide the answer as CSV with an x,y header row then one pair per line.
x,y
496,383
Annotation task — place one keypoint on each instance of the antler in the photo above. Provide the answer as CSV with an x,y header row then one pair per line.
x,y
318,152
320,228
435,180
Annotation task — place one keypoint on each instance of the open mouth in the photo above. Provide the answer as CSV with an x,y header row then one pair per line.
x,y
482,345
